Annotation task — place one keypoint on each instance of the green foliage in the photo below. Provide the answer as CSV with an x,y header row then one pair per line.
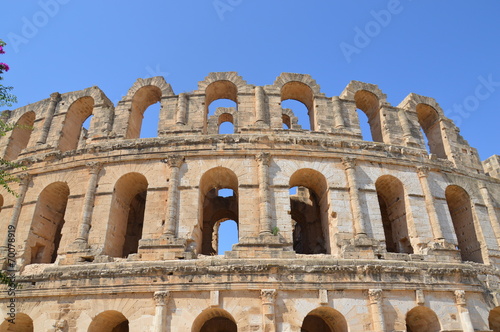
x,y
6,280
6,98
275,230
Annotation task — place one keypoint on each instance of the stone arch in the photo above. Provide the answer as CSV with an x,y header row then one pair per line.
x,y
369,103
324,319
20,136
429,121
394,213
354,86
142,99
306,79
494,319
77,113
48,220
126,216
422,319
303,93
109,321
214,208
214,320
309,212
223,114
225,117
460,208
23,323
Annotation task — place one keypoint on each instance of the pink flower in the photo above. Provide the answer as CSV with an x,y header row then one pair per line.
x,y
4,66
1,50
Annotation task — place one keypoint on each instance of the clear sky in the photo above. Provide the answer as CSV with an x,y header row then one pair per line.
x,y
448,50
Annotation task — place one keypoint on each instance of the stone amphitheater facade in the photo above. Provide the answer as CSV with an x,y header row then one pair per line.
x,y
112,232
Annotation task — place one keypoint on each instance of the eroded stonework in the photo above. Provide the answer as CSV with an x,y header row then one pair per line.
x,y
115,233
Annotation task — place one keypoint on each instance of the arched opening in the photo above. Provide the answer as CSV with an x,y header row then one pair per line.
x,y
143,98
300,110
428,118
218,205
23,323
20,136
324,319
109,321
226,233
494,319
48,221
459,205
214,320
226,124
220,94
364,126
422,319
391,199
370,105
126,216
84,135
77,113
302,104
309,212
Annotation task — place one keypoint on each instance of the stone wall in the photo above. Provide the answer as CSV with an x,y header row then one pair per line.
x,y
114,232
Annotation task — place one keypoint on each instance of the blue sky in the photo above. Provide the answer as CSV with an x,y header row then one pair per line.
x,y
446,50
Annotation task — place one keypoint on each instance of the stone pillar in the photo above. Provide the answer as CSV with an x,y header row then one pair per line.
x,y
264,160
81,241
337,113
54,99
419,297
491,209
160,320
463,311
24,180
377,310
350,169
268,299
260,105
182,109
423,175
174,162
405,125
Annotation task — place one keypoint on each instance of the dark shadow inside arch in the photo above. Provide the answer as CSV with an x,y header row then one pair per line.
x,y
324,319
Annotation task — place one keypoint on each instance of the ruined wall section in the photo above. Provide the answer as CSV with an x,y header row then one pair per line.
x,y
258,108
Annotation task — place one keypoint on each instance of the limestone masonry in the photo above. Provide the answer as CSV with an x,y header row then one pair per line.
x,y
112,232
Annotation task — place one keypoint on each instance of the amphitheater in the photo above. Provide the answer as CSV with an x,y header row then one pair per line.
x,y
110,232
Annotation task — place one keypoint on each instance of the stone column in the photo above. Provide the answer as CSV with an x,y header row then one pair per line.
x,y
268,299
182,108
54,99
419,297
350,169
377,310
491,209
423,175
264,160
463,311
405,125
260,105
81,241
174,162
160,320
24,180
337,113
